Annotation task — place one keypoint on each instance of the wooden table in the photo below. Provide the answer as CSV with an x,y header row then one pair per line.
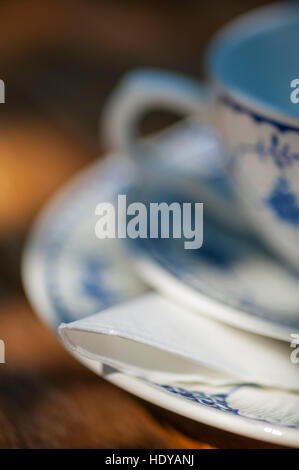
x,y
47,399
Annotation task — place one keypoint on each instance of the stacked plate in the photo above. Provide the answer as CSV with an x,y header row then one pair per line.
x,y
70,274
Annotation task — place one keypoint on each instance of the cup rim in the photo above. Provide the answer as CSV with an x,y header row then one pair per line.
x,y
247,25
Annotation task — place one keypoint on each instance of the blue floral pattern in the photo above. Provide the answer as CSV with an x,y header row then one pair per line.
x,y
284,202
217,401
55,238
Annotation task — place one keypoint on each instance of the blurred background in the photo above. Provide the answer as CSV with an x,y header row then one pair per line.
x,y
59,60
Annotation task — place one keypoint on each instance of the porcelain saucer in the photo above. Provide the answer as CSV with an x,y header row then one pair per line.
x,y
230,278
68,273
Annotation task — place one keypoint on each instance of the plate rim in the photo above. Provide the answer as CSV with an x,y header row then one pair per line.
x,y
170,286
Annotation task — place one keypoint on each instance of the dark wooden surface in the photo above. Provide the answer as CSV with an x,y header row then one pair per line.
x,y
49,400
59,60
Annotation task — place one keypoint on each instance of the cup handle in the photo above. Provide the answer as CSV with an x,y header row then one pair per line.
x,y
143,91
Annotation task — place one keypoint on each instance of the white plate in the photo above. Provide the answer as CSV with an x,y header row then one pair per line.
x,y
68,273
230,278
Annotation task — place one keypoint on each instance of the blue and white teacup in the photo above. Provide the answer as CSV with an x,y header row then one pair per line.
x,y
254,104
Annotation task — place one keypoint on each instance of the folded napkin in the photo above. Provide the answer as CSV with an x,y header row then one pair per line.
x,y
154,338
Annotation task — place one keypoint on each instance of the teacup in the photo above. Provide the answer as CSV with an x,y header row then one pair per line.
x,y
254,68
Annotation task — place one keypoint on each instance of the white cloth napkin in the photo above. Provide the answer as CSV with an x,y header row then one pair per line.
x,y
153,338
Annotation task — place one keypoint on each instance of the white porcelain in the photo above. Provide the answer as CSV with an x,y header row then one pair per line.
x,y
252,63
67,275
